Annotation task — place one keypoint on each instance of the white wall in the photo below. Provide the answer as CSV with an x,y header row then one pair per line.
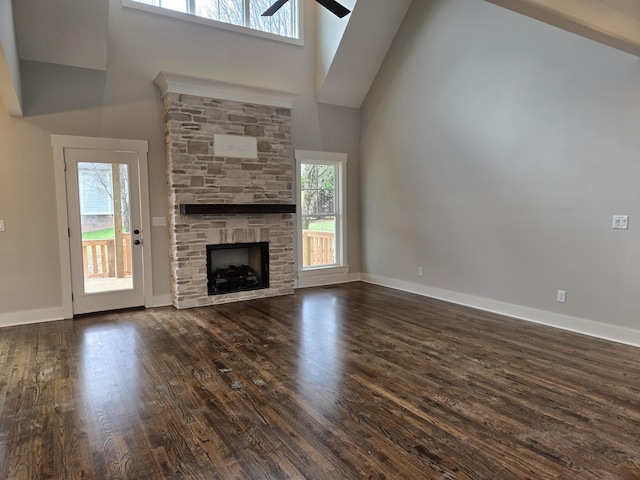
x,y
29,266
495,150
123,103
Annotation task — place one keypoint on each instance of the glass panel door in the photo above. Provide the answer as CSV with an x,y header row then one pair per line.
x,y
105,237
105,223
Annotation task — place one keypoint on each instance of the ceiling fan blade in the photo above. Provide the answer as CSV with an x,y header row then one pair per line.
x,y
274,8
334,7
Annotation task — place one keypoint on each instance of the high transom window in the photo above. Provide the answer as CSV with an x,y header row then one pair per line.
x,y
240,13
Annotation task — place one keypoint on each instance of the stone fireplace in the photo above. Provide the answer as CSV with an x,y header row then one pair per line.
x,y
227,196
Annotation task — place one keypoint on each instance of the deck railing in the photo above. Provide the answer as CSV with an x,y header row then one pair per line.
x,y
318,248
99,257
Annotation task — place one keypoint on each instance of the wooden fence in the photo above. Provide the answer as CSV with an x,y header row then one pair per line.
x,y
318,248
99,257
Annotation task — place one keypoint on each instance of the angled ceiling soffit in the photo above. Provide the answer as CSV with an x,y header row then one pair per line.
x,y
351,62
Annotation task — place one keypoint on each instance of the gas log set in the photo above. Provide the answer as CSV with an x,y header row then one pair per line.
x,y
233,279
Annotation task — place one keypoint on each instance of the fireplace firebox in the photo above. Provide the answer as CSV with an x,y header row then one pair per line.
x,y
237,267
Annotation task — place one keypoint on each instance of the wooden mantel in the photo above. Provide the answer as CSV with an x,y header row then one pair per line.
x,y
234,208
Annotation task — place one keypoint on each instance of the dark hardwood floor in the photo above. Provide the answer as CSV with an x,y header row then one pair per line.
x,y
344,382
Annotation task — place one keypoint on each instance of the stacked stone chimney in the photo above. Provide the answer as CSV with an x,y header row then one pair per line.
x,y
197,176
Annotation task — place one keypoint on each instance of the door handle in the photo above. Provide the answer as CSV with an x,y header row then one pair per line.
x,y
136,231
137,242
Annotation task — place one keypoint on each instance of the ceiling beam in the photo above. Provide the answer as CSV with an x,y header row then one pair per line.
x,y
598,20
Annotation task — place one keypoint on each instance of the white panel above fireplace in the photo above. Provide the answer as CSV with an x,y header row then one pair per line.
x,y
235,146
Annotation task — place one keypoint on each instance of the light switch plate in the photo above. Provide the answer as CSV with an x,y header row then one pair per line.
x,y
159,221
621,221
1,225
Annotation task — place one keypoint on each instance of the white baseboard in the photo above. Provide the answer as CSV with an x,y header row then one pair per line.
x,y
54,314
565,322
354,277
31,316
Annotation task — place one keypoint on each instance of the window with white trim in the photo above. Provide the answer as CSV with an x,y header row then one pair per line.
x,y
239,13
321,182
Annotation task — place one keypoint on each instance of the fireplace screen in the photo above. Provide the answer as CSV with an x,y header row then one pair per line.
x,y
237,267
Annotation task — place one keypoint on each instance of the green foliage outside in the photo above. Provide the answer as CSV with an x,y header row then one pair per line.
x,y
318,191
104,234
322,226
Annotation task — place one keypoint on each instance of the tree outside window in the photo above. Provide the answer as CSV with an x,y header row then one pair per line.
x,y
246,13
318,202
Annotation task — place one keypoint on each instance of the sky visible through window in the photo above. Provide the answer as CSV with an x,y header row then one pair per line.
x,y
246,13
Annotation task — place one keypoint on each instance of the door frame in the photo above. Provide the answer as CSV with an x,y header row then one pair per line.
x,y
139,147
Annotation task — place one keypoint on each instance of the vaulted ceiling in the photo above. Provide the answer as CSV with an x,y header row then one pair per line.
x,y
345,77
348,55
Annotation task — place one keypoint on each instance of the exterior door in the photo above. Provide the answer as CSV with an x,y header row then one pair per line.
x,y
105,229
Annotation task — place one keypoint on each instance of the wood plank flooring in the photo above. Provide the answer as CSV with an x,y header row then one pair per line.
x,y
345,382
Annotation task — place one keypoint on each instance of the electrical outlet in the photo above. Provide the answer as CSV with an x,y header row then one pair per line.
x,y
621,221
562,296
1,225
419,271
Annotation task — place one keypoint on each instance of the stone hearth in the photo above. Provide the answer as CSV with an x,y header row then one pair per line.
x,y
197,176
